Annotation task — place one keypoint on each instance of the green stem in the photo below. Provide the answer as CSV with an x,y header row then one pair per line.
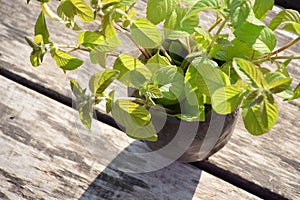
x,y
276,58
187,40
73,47
122,13
166,55
216,36
267,57
218,21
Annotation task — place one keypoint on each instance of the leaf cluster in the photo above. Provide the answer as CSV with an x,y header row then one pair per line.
x,y
185,69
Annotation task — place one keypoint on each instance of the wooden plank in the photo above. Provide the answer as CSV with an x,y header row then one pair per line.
x,y
43,157
271,161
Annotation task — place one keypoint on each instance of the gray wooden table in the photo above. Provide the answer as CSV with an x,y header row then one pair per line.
x,y
46,154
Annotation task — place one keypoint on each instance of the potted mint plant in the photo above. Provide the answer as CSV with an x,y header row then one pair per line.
x,y
186,75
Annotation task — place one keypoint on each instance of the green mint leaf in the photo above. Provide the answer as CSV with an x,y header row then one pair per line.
x,y
202,5
86,113
83,11
204,78
109,101
259,38
41,28
170,82
145,34
67,11
249,73
227,99
151,91
100,81
142,132
65,60
108,30
130,114
296,93
269,112
133,73
287,17
260,118
158,11
277,82
91,39
76,89
98,58
239,11
261,7
179,24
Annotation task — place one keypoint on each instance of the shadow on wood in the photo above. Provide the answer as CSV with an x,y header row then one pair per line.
x,y
112,183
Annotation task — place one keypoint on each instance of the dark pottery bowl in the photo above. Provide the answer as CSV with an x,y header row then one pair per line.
x,y
192,141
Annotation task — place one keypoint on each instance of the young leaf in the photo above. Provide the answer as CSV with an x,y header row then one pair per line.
x,y
100,81
84,12
277,82
36,58
130,67
41,28
65,60
37,54
225,100
260,38
145,34
91,39
261,7
249,72
158,11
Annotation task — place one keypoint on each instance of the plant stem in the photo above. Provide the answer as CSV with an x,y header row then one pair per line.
x,y
73,47
267,57
122,12
276,58
187,40
218,20
217,35
286,46
166,55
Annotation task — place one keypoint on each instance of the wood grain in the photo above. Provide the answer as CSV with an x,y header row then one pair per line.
x,y
43,157
271,161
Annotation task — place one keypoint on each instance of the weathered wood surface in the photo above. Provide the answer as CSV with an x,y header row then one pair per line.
x,y
271,161
43,157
